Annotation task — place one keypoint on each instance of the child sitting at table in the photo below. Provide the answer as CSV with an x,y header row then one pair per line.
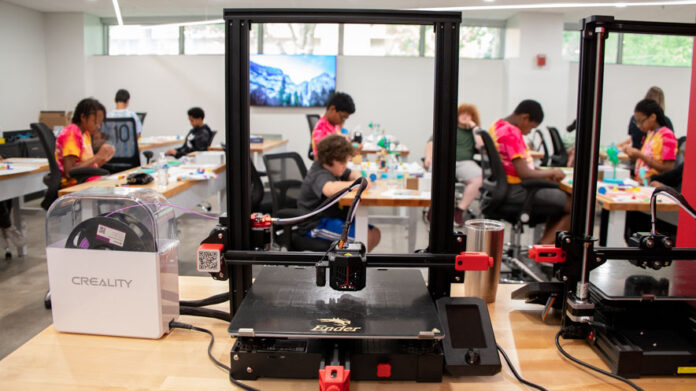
x,y
338,109
328,175
198,138
74,143
659,150
507,133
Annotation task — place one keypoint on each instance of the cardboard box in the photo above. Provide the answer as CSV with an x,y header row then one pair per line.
x,y
54,119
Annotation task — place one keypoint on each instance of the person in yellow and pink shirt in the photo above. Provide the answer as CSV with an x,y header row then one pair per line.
x,y
507,133
74,143
659,150
338,109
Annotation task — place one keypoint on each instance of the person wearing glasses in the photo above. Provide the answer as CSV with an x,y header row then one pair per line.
x,y
635,138
659,149
338,109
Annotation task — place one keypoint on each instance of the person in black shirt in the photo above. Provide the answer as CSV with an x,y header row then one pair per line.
x,y
328,175
671,178
198,138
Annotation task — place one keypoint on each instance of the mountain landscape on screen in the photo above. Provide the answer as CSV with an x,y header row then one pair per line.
x,y
289,80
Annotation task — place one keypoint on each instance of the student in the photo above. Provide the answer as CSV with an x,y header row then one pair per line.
x,y
659,150
9,234
327,176
635,135
122,101
507,133
74,143
198,138
467,170
338,109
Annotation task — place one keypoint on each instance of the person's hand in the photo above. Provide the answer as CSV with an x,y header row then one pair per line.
x,y
105,153
656,184
468,124
170,152
557,174
632,153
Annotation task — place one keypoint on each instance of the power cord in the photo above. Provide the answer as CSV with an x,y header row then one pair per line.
x,y
179,325
514,371
592,367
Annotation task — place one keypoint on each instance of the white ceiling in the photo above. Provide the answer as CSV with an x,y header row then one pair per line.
x,y
212,9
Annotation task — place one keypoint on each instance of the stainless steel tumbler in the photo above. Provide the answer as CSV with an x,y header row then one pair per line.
x,y
485,236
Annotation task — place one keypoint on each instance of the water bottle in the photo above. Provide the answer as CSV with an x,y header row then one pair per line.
x,y
162,171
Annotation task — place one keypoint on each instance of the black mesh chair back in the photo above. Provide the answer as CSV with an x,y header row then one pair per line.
x,y
285,172
121,133
53,178
560,155
256,188
495,187
312,120
212,137
539,145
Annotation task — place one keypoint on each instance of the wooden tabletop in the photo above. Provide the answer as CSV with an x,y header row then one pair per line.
x,y
622,156
178,361
374,198
256,147
171,190
608,203
372,151
144,146
536,154
40,166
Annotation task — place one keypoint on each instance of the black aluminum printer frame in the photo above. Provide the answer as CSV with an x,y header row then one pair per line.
x,y
443,242
582,256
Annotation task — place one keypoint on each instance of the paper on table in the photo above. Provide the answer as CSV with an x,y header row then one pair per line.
x,y
406,194
16,168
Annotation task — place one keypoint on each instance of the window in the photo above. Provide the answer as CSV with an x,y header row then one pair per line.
x,y
381,40
474,42
571,47
300,38
643,49
204,39
136,39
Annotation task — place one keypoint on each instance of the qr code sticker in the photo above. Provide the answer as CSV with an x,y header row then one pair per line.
x,y
208,261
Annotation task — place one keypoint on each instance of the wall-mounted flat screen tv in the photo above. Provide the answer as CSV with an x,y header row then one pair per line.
x,y
305,80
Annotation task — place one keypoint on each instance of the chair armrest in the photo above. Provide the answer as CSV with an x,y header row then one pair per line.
x,y
81,174
539,183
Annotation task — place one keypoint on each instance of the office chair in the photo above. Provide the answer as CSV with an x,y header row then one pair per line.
x,y
539,145
260,199
52,180
312,120
123,136
493,203
212,137
285,172
560,155
681,150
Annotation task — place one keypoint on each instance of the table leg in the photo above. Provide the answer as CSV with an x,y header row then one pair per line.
x,y
412,228
361,225
17,217
615,231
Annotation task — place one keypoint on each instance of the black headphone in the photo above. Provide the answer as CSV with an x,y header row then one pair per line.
x,y
139,178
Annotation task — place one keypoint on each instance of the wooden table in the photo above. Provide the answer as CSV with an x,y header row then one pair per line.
x,y
157,145
258,149
622,156
373,151
616,213
25,178
408,213
57,361
186,193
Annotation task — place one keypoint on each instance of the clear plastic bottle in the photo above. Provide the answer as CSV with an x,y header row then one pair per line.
x,y
162,171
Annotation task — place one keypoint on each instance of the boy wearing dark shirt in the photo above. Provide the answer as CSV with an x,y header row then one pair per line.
x,y
198,138
328,175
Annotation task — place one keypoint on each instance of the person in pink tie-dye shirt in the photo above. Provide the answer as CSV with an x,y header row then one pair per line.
x,y
659,150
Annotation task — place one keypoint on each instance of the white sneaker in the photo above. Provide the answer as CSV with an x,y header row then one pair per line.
x,y
15,236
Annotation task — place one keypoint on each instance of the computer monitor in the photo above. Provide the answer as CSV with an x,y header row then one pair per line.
x,y
141,116
11,136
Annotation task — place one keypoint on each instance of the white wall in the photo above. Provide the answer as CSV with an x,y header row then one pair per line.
x,y
22,66
65,60
624,86
395,92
